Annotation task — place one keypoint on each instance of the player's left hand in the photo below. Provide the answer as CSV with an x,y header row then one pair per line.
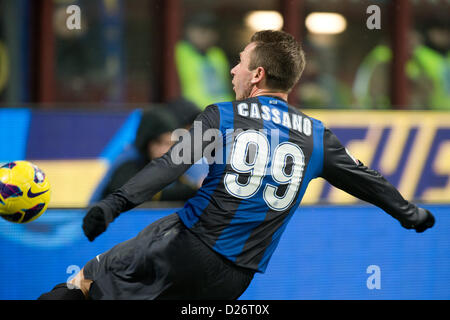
x,y
427,220
94,223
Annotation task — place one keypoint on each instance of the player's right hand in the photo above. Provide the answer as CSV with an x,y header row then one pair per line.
x,y
94,223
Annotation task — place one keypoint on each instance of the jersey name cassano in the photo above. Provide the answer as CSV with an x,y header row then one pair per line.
x,y
288,120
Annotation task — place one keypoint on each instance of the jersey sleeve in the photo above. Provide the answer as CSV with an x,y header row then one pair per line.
x,y
350,175
161,172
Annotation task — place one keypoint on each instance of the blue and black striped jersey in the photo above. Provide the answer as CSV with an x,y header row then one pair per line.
x,y
263,154
270,153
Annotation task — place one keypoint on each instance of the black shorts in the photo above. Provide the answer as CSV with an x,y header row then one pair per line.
x,y
165,261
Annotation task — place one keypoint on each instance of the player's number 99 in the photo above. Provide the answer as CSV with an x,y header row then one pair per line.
x,y
254,165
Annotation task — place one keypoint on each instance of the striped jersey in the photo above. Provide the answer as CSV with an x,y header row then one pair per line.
x,y
270,153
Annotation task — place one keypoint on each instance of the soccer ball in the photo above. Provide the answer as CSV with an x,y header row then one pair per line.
x,y
24,192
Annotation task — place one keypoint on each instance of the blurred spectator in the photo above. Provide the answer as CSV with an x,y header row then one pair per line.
x,y
429,67
320,87
203,69
370,88
426,70
153,139
185,112
79,57
312,92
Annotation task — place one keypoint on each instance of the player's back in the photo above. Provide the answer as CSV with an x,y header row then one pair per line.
x,y
270,152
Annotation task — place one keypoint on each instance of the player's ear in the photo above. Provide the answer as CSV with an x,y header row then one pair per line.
x,y
258,75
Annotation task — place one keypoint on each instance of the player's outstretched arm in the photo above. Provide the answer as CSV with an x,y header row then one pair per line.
x,y
350,175
151,179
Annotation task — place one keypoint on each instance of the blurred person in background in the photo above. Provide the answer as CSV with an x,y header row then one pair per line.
x,y
203,68
153,139
185,112
319,87
429,67
370,88
79,56
427,71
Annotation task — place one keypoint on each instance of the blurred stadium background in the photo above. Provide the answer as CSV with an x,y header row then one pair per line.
x,y
71,102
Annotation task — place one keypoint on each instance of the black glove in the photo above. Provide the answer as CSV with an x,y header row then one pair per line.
x,y
94,223
427,220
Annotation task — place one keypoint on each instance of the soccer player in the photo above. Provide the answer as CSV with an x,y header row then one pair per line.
x,y
211,248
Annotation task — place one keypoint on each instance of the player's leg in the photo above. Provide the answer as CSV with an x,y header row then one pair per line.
x,y
63,292
197,272
116,272
165,261
136,269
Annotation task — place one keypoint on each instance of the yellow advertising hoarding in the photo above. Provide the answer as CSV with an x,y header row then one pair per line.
x,y
410,148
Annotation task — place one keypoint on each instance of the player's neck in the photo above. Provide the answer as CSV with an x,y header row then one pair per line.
x,y
268,92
